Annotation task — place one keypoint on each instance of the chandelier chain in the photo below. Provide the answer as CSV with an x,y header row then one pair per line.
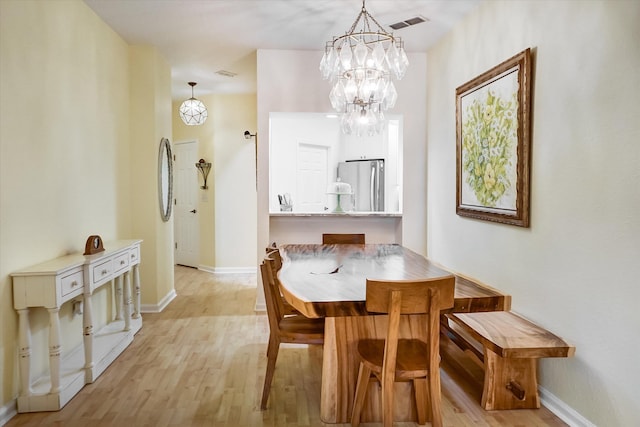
x,y
366,26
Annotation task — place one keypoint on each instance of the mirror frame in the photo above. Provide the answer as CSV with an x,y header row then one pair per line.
x,y
165,179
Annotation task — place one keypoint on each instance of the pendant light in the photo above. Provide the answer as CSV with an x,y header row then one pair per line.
x,y
192,111
360,65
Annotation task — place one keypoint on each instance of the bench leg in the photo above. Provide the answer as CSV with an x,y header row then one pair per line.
x,y
509,383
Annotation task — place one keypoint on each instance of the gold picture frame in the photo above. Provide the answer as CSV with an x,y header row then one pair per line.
x,y
493,139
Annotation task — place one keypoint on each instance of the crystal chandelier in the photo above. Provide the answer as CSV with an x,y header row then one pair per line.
x,y
192,111
360,64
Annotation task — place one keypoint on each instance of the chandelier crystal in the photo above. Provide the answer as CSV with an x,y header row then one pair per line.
x,y
360,65
192,111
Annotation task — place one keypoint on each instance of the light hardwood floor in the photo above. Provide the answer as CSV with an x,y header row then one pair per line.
x,y
201,362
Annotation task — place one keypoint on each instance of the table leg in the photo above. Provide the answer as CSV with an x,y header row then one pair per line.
x,y
87,327
136,285
330,407
127,302
118,281
54,348
24,341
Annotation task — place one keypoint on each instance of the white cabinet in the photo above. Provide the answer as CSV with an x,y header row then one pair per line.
x,y
49,285
365,147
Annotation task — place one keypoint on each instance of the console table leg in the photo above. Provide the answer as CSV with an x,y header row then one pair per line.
x,y
87,326
24,337
54,348
127,302
119,298
136,297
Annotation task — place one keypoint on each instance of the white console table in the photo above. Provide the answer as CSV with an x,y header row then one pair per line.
x,y
49,285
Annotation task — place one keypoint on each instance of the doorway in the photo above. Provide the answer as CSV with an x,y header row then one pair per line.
x,y
186,220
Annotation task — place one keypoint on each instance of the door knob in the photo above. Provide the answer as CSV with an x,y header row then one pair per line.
x,y
193,211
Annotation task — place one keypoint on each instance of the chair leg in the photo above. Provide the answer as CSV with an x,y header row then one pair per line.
x,y
435,398
388,382
364,374
272,354
269,345
423,407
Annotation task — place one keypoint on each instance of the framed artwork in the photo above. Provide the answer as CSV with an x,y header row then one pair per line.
x,y
493,137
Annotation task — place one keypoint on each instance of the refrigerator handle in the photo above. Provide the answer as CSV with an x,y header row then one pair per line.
x,y
372,188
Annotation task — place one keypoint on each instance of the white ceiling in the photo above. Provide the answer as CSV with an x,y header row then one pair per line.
x,y
200,37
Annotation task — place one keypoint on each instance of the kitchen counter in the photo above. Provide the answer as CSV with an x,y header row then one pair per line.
x,y
301,227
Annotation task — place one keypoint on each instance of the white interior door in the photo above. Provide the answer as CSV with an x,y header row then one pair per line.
x,y
186,221
312,178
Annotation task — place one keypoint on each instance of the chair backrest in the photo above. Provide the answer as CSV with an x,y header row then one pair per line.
x,y
275,311
274,255
427,296
330,239
414,294
271,247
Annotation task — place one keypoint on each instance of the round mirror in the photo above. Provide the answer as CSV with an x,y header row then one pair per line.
x,y
165,179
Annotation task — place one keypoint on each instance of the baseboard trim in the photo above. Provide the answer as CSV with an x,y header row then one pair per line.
x,y
561,410
228,270
8,411
157,308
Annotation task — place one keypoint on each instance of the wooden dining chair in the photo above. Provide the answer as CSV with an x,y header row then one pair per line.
x,y
296,329
276,265
271,247
331,239
398,359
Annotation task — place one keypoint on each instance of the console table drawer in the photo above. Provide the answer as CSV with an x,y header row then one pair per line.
x,y
71,283
101,272
121,262
134,255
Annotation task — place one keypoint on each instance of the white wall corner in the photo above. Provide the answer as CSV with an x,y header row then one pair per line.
x,y
8,411
207,268
561,410
157,308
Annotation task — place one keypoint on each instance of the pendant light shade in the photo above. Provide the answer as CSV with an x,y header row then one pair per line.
x,y
361,65
192,111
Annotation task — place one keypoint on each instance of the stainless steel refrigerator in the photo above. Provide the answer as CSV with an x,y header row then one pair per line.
x,y
366,178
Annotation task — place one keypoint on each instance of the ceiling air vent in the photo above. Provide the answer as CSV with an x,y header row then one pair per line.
x,y
408,22
226,73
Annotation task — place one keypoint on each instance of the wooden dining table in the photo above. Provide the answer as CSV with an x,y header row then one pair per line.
x,y
329,281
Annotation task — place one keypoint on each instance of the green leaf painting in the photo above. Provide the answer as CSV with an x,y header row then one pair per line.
x,y
489,142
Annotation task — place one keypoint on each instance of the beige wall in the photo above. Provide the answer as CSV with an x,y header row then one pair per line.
x,y
235,181
575,270
72,162
64,136
150,98
228,210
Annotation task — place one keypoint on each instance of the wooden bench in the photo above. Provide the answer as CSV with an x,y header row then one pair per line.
x,y
508,347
